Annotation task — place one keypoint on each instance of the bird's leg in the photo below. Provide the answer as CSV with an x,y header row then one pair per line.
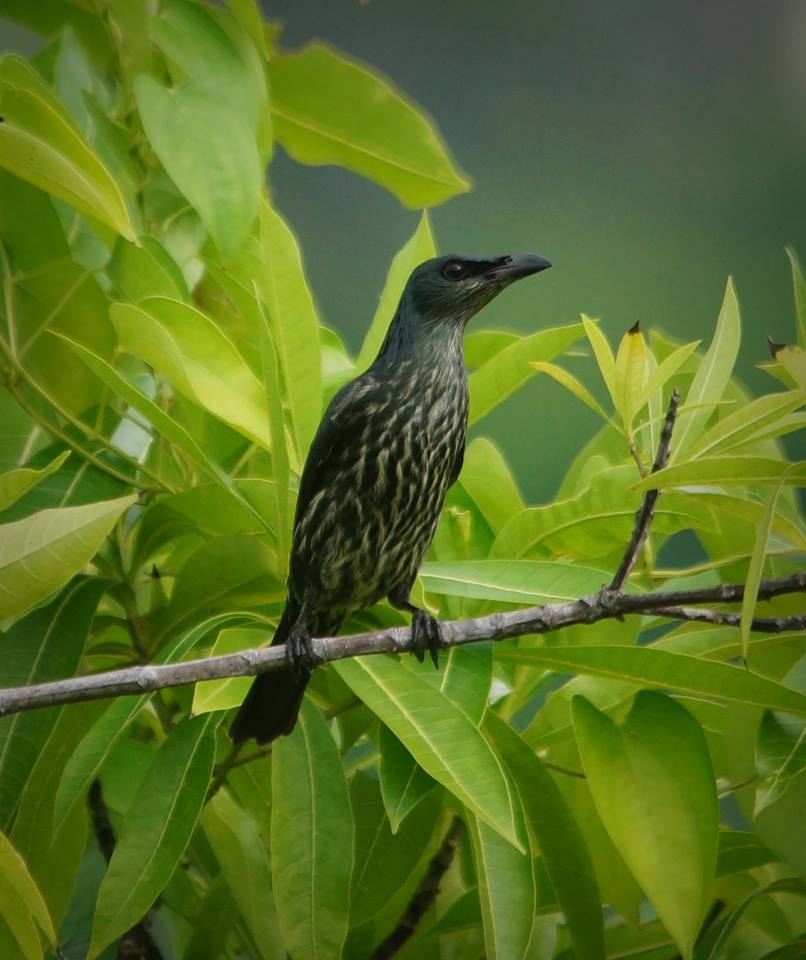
x,y
426,633
299,646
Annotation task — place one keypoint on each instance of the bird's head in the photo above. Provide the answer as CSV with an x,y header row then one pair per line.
x,y
453,288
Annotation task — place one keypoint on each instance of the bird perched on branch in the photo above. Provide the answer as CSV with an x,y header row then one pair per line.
x,y
388,447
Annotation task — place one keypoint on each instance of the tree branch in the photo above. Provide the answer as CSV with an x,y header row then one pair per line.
x,y
495,626
643,519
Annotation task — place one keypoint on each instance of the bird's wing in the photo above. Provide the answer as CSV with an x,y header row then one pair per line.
x,y
340,430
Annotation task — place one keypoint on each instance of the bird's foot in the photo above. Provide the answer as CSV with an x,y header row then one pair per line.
x,y
426,634
299,652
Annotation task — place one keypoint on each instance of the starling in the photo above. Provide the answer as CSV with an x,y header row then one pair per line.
x,y
388,447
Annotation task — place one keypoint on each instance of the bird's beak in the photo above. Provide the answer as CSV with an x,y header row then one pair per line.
x,y
519,265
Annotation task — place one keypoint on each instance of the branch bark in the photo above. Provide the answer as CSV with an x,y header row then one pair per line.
x,y
605,605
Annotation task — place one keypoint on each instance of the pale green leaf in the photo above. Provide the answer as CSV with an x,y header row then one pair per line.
x,y
742,424
780,757
755,569
712,376
145,269
651,667
711,470
39,143
489,482
14,876
653,786
15,483
666,370
294,325
327,108
311,839
419,247
793,361
507,370
604,356
156,829
198,358
440,737
209,695
631,373
42,552
570,382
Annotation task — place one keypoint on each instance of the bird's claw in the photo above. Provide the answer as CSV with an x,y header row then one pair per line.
x,y
299,652
426,634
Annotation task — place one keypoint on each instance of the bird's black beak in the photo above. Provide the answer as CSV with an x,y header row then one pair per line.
x,y
517,266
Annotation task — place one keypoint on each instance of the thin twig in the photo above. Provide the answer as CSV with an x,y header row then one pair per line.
x,y
424,895
495,626
643,519
722,618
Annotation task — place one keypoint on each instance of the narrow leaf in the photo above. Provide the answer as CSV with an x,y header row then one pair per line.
x,y
632,374
799,289
742,470
570,382
15,483
311,839
156,830
604,355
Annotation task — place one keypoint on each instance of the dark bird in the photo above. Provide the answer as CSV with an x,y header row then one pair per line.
x,y
389,445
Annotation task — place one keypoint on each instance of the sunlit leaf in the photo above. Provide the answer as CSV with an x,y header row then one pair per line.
x,y
742,424
327,108
744,470
507,370
631,373
42,552
440,737
489,482
604,355
209,695
712,375
653,786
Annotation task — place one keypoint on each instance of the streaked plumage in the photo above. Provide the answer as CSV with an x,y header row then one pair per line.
x,y
388,447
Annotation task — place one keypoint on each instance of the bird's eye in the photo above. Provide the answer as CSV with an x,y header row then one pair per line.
x,y
454,271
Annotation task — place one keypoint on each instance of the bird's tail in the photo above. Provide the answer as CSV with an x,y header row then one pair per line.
x,y
272,703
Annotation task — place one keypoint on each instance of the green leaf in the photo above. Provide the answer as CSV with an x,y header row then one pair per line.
x,y
294,325
236,842
213,115
665,371
39,143
740,426
712,375
311,839
791,885
384,860
20,932
15,483
755,569
799,288
595,522
47,19
209,695
503,373
198,358
653,786
793,361
440,737
507,892
632,374
47,644
604,355
780,757
570,382
465,678
651,667
91,751
17,883
489,482
419,247
744,470
512,581
145,269
42,552
404,783
739,851
156,829
327,108
552,827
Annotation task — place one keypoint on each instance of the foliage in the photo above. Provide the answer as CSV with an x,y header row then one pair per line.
x,y
164,371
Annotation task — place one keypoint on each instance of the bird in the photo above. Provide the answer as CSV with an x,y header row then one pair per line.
x,y
389,446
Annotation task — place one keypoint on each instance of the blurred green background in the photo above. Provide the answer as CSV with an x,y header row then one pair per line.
x,y
648,149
